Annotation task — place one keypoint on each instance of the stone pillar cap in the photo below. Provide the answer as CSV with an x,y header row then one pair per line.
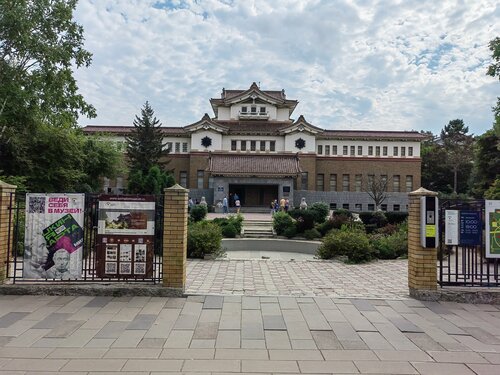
x,y
176,187
424,192
4,185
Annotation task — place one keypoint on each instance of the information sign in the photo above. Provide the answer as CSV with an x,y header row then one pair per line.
x,y
451,227
471,228
492,212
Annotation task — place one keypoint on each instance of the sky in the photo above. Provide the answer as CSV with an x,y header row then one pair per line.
x,y
351,64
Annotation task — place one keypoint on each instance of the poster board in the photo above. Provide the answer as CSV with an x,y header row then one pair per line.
x,y
492,213
125,236
53,236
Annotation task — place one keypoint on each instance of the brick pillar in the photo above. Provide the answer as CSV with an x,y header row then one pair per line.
x,y
175,216
5,236
422,262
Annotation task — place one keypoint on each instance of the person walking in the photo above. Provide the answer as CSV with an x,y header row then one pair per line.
x,y
224,205
237,203
282,204
287,204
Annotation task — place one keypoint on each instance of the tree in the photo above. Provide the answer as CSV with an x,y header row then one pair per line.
x,y
376,188
486,163
145,143
458,146
436,176
151,183
493,191
494,71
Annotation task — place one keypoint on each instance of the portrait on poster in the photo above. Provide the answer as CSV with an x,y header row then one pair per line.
x,y
53,236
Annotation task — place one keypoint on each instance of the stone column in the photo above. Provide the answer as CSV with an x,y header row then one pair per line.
x,y
175,216
422,262
6,222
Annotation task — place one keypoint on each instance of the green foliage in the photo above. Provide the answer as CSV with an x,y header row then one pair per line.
x,y
392,245
154,182
494,71
395,217
145,143
311,234
486,162
320,210
348,241
204,237
290,232
375,218
229,231
304,219
236,221
198,212
281,221
494,191
342,212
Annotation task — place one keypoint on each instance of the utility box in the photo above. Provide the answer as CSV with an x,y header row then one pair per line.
x,y
429,229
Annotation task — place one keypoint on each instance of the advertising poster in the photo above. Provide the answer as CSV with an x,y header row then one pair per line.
x,y
53,236
451,227
492,212
126,217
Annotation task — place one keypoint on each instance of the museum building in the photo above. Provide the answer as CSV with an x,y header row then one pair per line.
x,y
253,147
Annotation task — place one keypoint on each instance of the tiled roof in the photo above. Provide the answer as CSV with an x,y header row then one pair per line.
x,y
124,130
363,134
232,93
254,127
253,165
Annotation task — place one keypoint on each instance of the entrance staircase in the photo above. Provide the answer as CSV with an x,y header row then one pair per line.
x,y
257,229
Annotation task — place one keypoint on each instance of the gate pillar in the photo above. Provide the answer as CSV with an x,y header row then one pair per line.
x,y
175,218
422,262
6,223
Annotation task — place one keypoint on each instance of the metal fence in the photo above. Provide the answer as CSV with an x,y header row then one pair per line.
x,y
465,265
16,244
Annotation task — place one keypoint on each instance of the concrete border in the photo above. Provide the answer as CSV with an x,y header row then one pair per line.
x,y
490,296
270,244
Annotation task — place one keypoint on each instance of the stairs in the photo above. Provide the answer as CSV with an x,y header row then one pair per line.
x,y
257,229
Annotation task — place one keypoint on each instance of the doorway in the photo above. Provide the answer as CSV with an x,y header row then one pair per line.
x,y
253,195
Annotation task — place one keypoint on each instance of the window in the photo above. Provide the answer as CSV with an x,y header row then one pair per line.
x,y
410,151
383,181
177,147
353,150
210,182
333,206
357,182
233,145
395,151
333,182
409,183
358,207
327,150
384,150
253,110
262,109
304,178
403,151
396,208
344,150
377,151
395,183
244,109
169,146
345,182
320,182
184,147
370,150
383,207
345,206
200,176
334,150
371,179
272,146
360,150
320,150
183,179
253,145
371,207
262,145
243,145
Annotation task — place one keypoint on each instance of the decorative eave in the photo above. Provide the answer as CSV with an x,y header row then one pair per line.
x,y
301,125
206,123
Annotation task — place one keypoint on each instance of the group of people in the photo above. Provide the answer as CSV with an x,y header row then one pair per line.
x,y
282,205
195,202
236,201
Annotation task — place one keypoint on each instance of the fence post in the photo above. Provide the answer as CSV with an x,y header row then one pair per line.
x,y
6,222
422,262
175,216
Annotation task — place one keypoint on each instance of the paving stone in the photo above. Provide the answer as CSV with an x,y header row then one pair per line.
x,y
153,365
326,340
347,355
269,366
395,337
385,367
457,357
202,343
175,303
112,330
100,343
295,355
135,353
52,321
250,303
375,340
270,309
303,344
428,368
213,302
214,365
241,354
206,330
357,321
34,353
277,340
253,344
493,358
173,353
18,364
480,369
403,355
273,322
28,338
65,329
142,321
314,318
70,353
482,335
288,303
98,301
129,339
179,339
327,367
210,316
363,305
228,339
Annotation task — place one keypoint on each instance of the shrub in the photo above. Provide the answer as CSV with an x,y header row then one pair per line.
x,y
290,232
393,245
320,211
349,241
325,227
229,231
305,219
236,221
220,221
342,212
281,221
311,234
198,212
204,237
375,219
396,217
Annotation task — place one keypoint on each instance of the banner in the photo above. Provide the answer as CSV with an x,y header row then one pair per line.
x,y
492,212
53,236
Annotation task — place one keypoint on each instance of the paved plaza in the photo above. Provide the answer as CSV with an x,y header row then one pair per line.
x,y
245,334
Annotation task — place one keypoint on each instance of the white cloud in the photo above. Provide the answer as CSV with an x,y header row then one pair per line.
x,y
394,65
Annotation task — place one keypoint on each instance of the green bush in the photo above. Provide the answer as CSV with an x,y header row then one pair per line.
x,y
396,217
198,212
342,212
311,234
320,211
282,221
236,221
304,218
325,227
229,231
204,237
290,232
348,241
375,219
393,245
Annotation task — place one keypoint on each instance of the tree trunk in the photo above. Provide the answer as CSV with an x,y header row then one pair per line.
x,y
455,174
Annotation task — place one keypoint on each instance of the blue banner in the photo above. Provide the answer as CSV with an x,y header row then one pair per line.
x,y
471,228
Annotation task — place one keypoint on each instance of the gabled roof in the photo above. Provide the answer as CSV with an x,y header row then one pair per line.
x,y
301,125
125,130
206,123
242,165
229,97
